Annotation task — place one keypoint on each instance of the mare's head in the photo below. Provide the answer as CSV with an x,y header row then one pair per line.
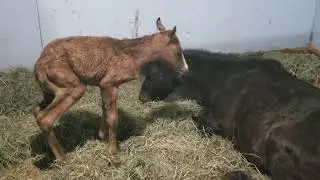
x,y
162,83
168,47
159,81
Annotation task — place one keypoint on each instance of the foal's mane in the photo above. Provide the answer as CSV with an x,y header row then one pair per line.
x,y
127,43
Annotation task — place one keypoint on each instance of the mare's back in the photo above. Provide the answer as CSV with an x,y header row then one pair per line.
x,y
213,69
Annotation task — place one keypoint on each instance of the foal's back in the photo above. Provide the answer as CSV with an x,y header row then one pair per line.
x,y
88,57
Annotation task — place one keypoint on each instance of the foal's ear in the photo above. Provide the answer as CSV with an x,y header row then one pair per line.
x,y
159,25
173,31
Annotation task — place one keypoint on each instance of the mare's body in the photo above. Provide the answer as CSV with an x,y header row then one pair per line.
x,y
272,117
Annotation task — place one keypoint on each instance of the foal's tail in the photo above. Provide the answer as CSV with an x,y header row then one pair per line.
x,y
41,79
47,96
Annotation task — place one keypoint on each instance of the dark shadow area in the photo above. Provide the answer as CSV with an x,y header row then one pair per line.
x,y
75,128
235,175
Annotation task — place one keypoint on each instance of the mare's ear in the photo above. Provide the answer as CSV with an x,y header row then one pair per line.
x,y
159,25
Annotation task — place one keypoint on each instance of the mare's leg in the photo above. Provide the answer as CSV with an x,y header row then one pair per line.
x,y
110,115
68,91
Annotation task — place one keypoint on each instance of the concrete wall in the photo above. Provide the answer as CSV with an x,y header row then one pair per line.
x,y
228,25
316,29
19,33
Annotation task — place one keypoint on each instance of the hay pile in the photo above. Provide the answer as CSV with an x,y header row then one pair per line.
x,y
158,140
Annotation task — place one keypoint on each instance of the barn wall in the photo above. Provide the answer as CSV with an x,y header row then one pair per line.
x,y
228,26
19,32
316,29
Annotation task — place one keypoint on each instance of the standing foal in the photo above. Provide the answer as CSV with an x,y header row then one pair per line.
x,y
67,65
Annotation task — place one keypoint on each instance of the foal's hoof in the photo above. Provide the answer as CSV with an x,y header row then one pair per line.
x,y
102,134
36,111
61,160
113,150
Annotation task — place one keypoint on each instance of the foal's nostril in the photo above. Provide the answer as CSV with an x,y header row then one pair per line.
x,y
182,74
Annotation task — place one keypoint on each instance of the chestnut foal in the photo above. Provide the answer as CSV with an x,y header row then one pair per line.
x,y
68,65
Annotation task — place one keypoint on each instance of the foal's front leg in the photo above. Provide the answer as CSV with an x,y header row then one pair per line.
x,y
110,116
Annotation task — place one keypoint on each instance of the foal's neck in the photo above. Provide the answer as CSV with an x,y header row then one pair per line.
x,y
143,50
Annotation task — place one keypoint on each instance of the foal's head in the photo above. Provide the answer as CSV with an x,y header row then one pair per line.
x,y
168,47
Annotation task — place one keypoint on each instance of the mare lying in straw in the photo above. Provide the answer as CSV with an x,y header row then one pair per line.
x,y
272,116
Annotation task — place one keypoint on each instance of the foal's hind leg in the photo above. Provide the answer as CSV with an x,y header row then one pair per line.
x,y
70,97
68,92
